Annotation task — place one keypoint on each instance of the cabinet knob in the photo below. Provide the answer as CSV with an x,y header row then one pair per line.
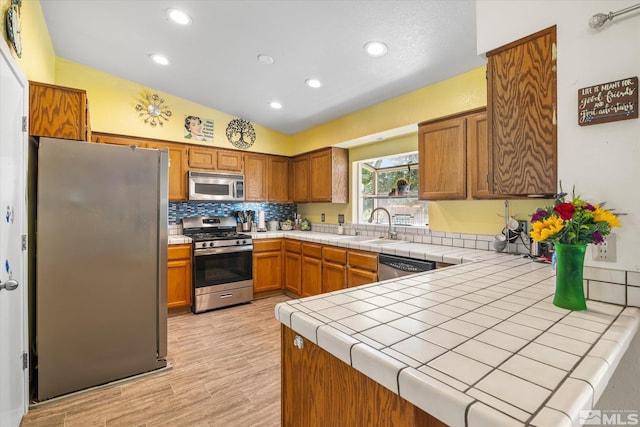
x,y
298,342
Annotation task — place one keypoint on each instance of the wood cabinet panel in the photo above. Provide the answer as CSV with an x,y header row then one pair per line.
x,y
267,265
334,254
229,161
334,276
300,178
357,277
478,156
278,179
329,175
58,112
521,83
442,156
320,390
255,171
179,276
202,158
293,272
311,269
363,260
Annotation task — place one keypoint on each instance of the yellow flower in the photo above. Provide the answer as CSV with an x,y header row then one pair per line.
x,y
603,215
542,230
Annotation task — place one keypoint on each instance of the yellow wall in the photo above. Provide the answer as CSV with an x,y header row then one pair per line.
x,y
38,57
112,103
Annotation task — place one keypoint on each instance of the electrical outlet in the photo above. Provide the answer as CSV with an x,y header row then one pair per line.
x,y
605,251
340,219
522,226
322,217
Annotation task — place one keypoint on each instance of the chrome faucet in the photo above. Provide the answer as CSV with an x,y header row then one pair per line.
x,y
392,234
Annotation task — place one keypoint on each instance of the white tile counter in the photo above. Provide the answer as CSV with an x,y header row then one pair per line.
x,y
477,344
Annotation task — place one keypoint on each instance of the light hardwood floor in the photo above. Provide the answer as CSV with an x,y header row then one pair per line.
x,y
226,372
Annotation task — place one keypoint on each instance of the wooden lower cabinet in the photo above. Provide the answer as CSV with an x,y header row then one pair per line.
x,y
334,269
179,276
311,269
267,265
319,389
293,266
362,268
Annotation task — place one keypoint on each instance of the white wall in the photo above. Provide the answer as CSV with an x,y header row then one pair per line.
x,y
603,160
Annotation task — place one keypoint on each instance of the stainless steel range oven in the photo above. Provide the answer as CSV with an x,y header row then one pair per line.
x,y
222,262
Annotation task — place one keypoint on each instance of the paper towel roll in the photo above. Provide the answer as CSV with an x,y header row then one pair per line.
x,y
261,223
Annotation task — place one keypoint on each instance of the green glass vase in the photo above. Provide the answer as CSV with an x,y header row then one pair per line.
x,y
569,285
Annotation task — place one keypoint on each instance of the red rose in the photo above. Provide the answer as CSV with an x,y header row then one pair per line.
x,y
565,210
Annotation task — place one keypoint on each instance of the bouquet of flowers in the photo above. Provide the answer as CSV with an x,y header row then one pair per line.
x,y
575,223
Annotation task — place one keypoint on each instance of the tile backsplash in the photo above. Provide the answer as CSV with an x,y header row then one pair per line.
x,y
272,211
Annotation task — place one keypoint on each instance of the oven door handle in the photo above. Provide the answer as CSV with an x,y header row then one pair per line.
x,y
223,250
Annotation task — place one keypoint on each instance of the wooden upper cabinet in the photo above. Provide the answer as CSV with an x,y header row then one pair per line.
x,y
58,112
202,158
255,177
521,83
329,175
442,151
229,161
277,179
300,178
478,156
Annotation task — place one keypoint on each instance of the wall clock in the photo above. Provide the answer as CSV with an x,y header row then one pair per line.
x,y
241,134
13,26
153,110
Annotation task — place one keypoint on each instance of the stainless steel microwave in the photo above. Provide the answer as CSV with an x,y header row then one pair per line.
x,y
215,187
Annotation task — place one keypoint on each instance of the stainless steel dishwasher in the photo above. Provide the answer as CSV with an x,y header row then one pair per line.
x,y
392,266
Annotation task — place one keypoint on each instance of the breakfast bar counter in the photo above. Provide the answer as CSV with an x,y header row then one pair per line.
x,y
475,344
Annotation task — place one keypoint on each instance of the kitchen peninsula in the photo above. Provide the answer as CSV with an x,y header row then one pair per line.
x,y
476,344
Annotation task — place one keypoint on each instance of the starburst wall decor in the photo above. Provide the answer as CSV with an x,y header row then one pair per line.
x,y
153,110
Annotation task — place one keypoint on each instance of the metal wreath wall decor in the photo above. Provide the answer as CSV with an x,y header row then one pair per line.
x,y
241,133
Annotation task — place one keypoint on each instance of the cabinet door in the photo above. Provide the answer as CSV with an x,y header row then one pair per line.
x,y
278,179
293,272
320,176
521,99
267,271
478,156
311,276
357,277
442,156
202,158
57,112
334,277
229,161
255,173
177,169
179,283
300,178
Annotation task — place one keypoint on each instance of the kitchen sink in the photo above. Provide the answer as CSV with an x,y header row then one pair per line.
x,y
354,238
382,242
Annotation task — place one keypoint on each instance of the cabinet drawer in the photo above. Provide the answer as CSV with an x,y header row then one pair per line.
x,y
260,245
179,252
336,255
312,250
363,260
292,246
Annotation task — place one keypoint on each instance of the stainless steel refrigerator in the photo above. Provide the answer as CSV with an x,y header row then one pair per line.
x,y
98,264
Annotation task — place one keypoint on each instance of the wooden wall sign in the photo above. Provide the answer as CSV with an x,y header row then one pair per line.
x,y
608,102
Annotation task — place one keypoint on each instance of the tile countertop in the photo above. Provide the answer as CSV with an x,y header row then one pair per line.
x,y
476,344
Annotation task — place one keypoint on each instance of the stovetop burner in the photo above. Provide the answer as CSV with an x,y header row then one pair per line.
x,y
208,236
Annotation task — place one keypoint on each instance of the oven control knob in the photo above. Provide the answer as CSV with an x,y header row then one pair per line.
x,y
210,244
244,242
238,242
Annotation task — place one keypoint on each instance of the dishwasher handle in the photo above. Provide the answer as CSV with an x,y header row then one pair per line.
x,y
390,266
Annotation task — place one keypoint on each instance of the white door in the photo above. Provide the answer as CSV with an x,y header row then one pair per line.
x,y
13,217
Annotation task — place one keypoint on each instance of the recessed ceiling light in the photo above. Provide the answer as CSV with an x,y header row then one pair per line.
x,y
375,48
275,105
265,59
178,16
159,59
314,83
